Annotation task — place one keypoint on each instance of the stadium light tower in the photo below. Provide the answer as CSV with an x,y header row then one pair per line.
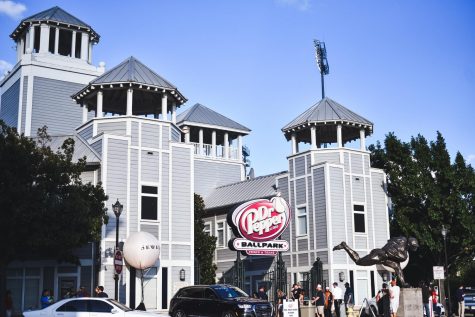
x,y
322,62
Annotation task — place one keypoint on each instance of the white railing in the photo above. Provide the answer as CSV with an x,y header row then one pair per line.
x,y
206,150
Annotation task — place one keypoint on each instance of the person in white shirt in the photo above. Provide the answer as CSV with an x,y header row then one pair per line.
x,y
394,296
338,298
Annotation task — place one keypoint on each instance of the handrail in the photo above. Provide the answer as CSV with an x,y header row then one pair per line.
x,y
367,305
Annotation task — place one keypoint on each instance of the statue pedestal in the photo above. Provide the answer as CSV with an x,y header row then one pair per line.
x,y
410,303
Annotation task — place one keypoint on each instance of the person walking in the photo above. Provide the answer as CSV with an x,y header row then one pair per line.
x,y
100,292
395,292
319,301
460,296
349,297
425,298
337,298
280,303
328,302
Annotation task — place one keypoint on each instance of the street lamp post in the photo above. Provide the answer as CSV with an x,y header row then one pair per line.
x,y
117,208
444,234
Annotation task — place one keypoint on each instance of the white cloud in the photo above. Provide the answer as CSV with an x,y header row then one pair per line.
x,y
12,9
471,158
302,5
4,67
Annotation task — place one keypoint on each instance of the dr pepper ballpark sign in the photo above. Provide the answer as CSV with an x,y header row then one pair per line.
x,y
257,224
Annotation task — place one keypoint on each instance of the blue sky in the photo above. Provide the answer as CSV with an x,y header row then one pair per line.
x,y
408,66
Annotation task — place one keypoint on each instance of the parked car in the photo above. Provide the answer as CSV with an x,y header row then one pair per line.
x,y
87,307
217,300
470,300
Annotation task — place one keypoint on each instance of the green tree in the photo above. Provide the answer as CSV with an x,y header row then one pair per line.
x,y
45,209
427,192
205,245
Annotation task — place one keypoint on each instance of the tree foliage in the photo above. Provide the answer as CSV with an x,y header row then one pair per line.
x,y
45,209
427,192
205,245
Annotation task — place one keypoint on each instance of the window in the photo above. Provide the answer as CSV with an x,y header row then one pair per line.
x,y
97,306
220,234
52,39
207,228
74,306
301,221
77,52
36,40
359,218
65,42
149,203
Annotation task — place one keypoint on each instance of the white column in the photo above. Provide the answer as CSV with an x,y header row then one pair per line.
x,y
339,138
200,141
84,45
73,45
99,113
89,53
84,112
293,140
239,149
362,140
19,49
130,94
313,136
164,106
186,130
56,41
213,143
31,43
174,112
44,38
226,146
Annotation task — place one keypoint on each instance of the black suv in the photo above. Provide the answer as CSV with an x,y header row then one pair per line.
x,y
217,301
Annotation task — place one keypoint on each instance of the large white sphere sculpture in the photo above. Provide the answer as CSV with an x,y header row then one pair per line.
x,y
141,250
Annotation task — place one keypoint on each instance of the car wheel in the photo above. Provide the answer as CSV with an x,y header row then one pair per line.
x,y
229,314
179,313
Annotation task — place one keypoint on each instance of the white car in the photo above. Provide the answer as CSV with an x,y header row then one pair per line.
x,y
87,307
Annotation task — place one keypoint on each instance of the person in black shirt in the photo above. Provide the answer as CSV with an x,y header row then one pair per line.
x,y
425,297
100,292
262,293
319,302
349,296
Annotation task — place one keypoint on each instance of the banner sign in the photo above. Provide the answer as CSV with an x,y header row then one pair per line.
x,y
257,224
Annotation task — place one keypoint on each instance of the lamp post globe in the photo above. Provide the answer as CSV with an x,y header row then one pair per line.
x,y
117,209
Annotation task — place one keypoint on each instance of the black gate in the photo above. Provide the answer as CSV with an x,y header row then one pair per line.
x,y
311,279
276,279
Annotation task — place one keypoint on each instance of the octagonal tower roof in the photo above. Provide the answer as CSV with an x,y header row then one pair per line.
x,y
326,115
58,16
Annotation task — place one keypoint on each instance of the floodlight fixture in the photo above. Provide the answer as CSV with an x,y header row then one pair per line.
x,y
322,61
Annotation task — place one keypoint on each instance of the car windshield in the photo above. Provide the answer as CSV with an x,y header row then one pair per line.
x,y
229,292
119,305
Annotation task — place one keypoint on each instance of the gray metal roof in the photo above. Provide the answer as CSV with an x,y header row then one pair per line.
x,y
236,193
81,148
327,111
57,15
201,114
133,71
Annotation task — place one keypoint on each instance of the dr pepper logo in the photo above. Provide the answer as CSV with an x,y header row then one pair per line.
x,y
262,220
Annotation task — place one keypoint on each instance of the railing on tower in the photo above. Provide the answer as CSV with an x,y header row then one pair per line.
x,y
206,150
